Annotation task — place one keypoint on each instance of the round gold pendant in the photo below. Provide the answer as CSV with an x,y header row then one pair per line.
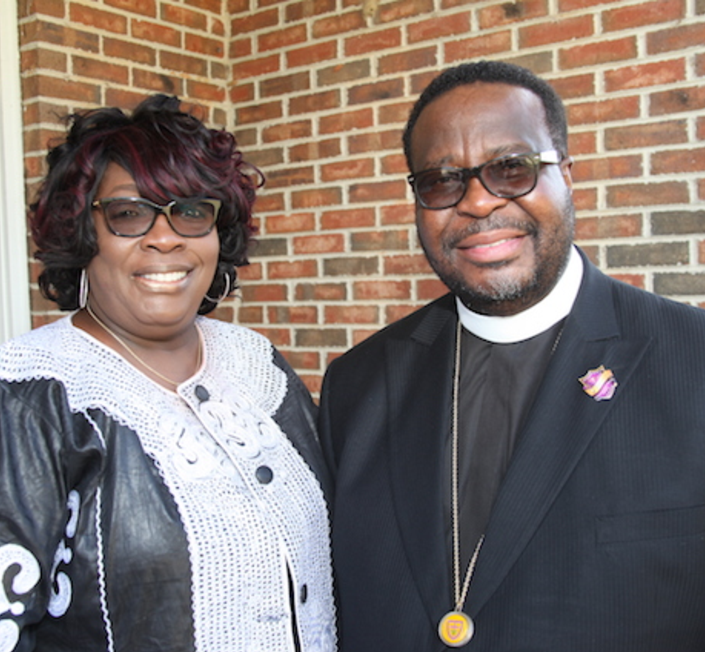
x,y
456,629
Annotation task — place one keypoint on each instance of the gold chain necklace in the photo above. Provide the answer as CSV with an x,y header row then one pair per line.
x,y
456,628
110,331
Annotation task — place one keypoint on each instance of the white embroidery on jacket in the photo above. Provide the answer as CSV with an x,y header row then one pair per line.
x,y
107,622
61,595
23,582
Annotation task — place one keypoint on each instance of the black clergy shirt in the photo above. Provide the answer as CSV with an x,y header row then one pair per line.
x,y
498,383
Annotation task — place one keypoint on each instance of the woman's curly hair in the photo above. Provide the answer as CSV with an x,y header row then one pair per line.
x,y
170,154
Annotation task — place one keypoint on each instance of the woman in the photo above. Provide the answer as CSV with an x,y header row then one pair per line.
x,y
158,485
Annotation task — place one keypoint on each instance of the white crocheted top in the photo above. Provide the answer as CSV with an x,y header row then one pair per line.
x,y
250,506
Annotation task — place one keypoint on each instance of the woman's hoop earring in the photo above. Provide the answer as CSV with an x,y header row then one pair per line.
x,y
83,289
224,294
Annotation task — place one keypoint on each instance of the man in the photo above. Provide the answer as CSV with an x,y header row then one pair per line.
x,y
520,465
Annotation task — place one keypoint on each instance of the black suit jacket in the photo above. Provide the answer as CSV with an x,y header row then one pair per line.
x,y
596,541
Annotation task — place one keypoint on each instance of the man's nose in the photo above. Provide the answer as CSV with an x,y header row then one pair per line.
x,y
477,201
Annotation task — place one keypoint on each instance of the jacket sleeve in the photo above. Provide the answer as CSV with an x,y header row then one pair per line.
x,y
37,507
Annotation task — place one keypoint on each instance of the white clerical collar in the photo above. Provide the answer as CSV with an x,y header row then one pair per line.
x,y
537,319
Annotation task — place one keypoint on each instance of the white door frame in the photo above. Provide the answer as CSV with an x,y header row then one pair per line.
x,y
14,260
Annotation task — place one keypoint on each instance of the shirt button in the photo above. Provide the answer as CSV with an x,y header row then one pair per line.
x,y
304,593
202,393
264,474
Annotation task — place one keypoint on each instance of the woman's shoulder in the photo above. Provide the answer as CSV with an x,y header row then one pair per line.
x,y
39,352
238,339
41,335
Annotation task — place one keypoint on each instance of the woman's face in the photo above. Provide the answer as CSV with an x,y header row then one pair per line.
x,y
150,286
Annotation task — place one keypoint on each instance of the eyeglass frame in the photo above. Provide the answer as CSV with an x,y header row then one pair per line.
x,y
546,157
159,210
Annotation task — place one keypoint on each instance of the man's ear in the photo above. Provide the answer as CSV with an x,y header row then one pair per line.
x,y
566,165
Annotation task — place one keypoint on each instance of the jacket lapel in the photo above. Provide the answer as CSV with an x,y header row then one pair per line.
x,y
560,427
420,371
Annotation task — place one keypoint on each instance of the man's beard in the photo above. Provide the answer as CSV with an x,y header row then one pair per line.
x,y
500,291
509,294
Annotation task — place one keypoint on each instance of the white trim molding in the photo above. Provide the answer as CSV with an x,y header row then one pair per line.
x,y
14,260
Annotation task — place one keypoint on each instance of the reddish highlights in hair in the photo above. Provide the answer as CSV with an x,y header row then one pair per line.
x,y
170,154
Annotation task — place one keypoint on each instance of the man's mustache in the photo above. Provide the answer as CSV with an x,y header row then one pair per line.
x,y
492,223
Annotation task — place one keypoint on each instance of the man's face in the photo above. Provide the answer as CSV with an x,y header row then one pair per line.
x,y
500,256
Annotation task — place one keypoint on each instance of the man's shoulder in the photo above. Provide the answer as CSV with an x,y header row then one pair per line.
x,y
649,310
674,329
422,323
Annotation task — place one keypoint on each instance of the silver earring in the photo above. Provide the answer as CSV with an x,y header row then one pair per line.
x,y
224,294
83,289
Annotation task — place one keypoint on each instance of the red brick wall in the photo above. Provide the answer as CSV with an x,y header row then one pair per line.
x,y
318,92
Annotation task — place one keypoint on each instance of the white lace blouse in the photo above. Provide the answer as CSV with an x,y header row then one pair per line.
x,y
155,520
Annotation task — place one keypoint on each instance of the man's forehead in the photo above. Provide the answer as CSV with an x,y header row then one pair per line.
x,y
487,117
478,96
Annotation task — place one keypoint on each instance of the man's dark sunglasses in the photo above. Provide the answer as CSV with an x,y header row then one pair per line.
x,y
508,177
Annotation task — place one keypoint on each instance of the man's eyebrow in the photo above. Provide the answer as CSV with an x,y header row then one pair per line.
x,y
496,152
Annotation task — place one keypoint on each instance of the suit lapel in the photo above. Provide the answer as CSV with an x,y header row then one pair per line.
x,y
420,371
560,427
